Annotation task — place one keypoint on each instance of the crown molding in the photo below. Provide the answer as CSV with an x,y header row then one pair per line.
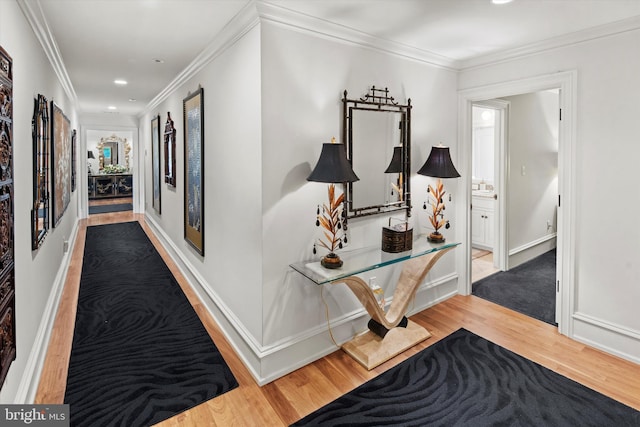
x,y
589,34
323,28
38,23
239,25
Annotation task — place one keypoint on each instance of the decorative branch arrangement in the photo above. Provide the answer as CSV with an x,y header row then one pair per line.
x,y
436,201
398,188
334,222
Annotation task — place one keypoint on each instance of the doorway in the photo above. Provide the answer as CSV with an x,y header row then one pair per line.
x,y
112,166
489,133
530,214
566,82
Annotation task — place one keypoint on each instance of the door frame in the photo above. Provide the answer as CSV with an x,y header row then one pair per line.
x,y
566,81
137,164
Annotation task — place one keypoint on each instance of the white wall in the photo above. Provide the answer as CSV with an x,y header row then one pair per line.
x,y
607,235
37,272
229,274
304,76
532,182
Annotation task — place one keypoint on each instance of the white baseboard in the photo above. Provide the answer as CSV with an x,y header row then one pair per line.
x,y
531,250
268,363
28,386
611,338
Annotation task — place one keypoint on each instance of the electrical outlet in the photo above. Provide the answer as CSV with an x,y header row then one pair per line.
x,y
549,226
373,282
65,246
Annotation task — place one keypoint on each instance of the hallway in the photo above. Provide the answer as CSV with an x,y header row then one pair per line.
x,y
291,397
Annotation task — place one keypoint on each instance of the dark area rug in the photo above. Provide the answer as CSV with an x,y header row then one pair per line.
x,y
140,353
529,288
465,380
120,207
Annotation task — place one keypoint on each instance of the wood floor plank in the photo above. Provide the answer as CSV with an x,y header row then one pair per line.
x,y
293,396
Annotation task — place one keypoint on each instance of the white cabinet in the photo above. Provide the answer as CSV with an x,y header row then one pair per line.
x,y
482,220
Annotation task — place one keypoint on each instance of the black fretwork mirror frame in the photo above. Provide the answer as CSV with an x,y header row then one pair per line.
x,y
379,101
169,152
41,128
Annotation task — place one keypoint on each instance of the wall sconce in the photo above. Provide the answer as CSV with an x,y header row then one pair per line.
x,y
438,165
332,167
396,167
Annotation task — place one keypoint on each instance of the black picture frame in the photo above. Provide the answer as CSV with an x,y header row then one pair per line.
x,y
193,115
169,152
73,160
40,131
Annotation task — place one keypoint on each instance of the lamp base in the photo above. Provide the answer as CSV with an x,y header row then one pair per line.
x,y
435,237
331,261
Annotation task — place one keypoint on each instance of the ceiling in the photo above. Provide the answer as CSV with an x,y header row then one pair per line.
x,y
149,43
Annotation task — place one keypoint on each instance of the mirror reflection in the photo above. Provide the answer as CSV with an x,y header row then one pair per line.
x,y
382,131
373,127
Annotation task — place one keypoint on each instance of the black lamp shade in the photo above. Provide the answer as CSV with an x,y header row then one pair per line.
x,y
90,155
439,164
333,166
396,161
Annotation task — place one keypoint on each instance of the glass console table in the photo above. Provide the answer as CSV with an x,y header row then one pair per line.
x,y
390,333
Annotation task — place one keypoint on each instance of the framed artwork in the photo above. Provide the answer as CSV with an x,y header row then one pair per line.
x,y
73,160
40,128
155,163
60,163
193,108
7,229
169,152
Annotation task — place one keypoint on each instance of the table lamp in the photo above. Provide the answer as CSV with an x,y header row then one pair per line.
x,y
333,167
438,165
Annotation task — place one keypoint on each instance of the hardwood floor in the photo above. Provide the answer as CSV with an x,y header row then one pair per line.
x,y
291,397
481,264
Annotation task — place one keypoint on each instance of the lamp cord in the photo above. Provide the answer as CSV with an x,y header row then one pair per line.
x,y
326,312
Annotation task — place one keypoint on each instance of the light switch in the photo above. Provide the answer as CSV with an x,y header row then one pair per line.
x,y
523,171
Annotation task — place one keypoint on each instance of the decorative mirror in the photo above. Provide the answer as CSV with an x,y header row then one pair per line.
x,y
109,152
375,127
40,127
169,152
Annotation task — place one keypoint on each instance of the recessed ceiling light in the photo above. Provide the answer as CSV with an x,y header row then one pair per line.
x,y
112,107
132,100
120,82
501,1
158,61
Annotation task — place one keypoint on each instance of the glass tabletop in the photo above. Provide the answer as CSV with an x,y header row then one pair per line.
x,y
361,260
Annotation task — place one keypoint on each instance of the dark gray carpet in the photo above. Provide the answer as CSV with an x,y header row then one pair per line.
x,y
529,288
110,208
140,353
465,380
